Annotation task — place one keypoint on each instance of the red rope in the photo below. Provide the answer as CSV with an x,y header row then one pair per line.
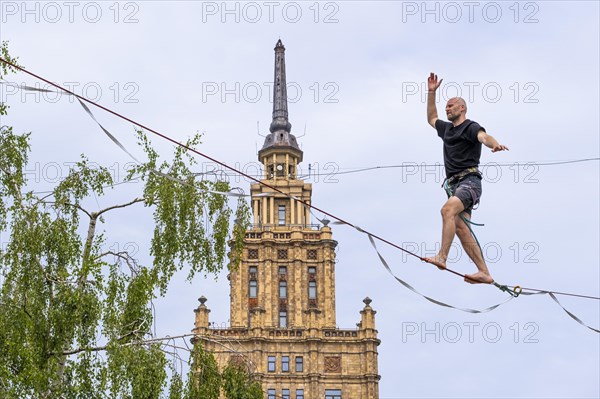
x,y
212,159
244,174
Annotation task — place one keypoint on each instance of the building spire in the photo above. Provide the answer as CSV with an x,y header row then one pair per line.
x,y
280,108
280,136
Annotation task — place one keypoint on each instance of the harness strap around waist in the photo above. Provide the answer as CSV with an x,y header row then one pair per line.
x,y
461,175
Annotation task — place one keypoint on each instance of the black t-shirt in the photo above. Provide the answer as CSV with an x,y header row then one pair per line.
x,y
462,150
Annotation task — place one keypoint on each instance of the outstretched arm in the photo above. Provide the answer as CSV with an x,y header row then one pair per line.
x,y
490,142
432,85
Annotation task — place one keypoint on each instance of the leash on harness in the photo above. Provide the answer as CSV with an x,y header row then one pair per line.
x,y
467,221
457,178
446,185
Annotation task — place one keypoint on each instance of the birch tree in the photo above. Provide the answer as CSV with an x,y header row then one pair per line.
x,y
75,314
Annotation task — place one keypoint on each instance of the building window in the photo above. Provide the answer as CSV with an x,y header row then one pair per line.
x,y
271,393
311,254
285,364
333,394
252,288
253,254
299,393
312,290
283,319
299,364
282,289
271,364
282,271
252,283
285,394
312,271
282,254
281,215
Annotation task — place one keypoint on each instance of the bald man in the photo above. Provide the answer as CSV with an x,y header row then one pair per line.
x,y
462,149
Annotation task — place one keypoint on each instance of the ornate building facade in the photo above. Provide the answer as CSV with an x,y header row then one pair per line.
x,y
283,314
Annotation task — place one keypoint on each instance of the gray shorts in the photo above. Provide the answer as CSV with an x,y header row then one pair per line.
x,y
468,191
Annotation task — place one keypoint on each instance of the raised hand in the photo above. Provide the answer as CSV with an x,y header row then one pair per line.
x,y
432,82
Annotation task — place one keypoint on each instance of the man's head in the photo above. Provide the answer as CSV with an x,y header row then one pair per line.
x,y
456,109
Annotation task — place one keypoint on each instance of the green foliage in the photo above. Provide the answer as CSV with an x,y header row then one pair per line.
x,y
204,380
74,322
4,69
176,386
238,385
191,217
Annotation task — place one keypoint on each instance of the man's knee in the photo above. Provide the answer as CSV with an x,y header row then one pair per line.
x,y
452,208
447,212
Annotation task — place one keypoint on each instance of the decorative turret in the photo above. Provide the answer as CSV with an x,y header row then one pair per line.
x,y
202,312
367,321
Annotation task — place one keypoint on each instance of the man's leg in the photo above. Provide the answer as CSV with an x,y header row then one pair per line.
x,y
450,210
472,249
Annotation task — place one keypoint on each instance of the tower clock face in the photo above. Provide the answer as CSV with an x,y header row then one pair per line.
x,y
280,167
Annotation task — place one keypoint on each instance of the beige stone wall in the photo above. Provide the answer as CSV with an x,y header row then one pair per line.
x,y
333,358
296,250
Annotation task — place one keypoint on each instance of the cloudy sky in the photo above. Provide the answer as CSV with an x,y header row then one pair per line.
x,y
356,73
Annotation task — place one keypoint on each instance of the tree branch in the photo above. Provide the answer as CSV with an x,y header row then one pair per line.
x,y
119,206
104,347
68,204
129,260
15,187
217,340
90,215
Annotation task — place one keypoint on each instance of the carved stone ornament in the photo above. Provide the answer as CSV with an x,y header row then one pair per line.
x,y
333,364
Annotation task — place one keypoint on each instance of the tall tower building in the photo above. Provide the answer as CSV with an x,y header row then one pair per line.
x,y
283,316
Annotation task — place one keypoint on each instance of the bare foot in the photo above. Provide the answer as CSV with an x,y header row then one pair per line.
x,y
479,278
437,261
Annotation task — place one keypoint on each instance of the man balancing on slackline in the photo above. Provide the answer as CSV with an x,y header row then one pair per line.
x,y
462,150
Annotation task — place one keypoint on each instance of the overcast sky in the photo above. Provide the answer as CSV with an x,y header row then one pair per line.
x,y
356,72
